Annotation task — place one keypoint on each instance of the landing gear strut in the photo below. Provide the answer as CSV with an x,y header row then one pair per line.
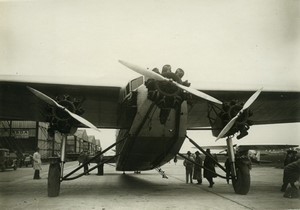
x,y
56,171
240,169
240,166
56,176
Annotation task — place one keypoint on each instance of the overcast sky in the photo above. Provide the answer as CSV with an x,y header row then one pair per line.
x,y
221,44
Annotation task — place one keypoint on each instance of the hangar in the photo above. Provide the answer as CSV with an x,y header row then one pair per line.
x,y
24,136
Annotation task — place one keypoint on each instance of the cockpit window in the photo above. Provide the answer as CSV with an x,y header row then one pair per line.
x,y
135,83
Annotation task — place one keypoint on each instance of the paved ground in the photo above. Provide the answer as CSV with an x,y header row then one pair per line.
x,y
141,191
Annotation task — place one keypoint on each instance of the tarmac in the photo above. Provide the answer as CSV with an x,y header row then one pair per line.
x,y
147,190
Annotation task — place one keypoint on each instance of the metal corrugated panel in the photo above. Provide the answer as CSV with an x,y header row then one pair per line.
x,y
23,124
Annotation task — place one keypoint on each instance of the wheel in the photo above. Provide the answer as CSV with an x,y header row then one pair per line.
x,y
15,167
241,183
54,180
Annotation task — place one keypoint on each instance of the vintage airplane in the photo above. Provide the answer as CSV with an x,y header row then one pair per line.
x,y
152,116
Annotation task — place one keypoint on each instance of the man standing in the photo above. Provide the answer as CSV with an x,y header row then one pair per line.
x,y
197,168
100,166
37,162
188,168
209,170
85,162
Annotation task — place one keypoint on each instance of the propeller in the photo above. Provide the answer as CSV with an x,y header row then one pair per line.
x,y
232,121
52,102
153,75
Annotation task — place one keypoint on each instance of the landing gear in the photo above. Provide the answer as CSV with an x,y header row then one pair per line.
x,y
239,165
54,177
241,183
240,169
56,171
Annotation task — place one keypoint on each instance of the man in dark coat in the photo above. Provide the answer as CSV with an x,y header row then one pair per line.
x,y
209,168
82,159
291,174
197,168
100,167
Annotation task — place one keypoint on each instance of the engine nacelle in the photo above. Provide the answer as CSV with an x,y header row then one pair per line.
x,y
60,120
166,94
219,117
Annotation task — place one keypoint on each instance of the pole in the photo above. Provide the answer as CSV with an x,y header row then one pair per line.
x,y
63,153
231,156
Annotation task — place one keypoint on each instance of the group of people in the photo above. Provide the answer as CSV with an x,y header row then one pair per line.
x,y
84,159
194,171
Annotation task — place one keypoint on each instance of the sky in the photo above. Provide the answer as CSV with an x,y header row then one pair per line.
x,y
221,44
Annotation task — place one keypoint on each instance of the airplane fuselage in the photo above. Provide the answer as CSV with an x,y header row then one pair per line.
x,y
155,135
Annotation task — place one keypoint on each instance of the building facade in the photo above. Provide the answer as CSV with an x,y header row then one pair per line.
x,y
24,136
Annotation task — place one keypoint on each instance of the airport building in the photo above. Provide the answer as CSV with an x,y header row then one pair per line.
x,y
24,136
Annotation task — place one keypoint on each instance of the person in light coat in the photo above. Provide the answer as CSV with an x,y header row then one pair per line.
x,y
189,168
37,164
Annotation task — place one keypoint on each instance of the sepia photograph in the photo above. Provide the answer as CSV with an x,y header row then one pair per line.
x,y
147,104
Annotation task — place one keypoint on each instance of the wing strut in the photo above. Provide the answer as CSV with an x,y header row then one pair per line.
x,y
205,153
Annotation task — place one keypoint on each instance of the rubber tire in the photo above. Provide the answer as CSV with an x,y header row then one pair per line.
x,y
241,184
54,180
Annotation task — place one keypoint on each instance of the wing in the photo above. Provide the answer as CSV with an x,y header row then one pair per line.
x,y
269,108
99,103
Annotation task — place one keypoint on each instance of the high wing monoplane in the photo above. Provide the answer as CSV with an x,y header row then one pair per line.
x,y
152,117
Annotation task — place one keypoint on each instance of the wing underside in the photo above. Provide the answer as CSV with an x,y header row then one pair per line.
x,y
100,103
269,108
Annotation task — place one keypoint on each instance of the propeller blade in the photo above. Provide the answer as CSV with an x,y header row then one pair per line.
x,y
232,121
143,71
227,127
82,120
45,98
159,77
52,102
252,99
198,93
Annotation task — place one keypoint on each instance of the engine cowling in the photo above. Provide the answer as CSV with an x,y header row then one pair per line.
x,y
219,117
165,94
61,120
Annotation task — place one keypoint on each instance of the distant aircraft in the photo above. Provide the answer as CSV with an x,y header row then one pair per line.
x,y
152,116
258,153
